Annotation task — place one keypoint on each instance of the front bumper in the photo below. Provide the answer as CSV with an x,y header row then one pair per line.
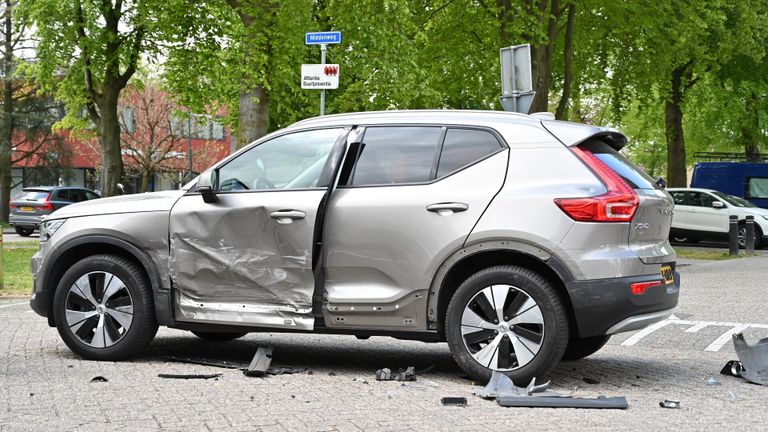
x,y
25,220
606,306
41,300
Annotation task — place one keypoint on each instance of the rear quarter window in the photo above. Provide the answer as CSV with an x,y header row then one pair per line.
x,y
464,147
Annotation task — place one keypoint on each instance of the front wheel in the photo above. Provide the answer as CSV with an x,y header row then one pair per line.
x,y
743,236
103,308
508,319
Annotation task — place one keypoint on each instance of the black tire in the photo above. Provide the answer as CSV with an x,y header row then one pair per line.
x,y
24,232
743,236
135,287
580,348
554,333
219,337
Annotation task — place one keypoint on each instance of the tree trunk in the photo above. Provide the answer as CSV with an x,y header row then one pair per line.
x,y
750,129
109,137
541,54
145,181
254,114
561,113
676,168
6,123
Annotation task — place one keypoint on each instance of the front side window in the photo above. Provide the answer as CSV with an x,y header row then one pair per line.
x,y
757,187
680,197
699,199
292,161
396,155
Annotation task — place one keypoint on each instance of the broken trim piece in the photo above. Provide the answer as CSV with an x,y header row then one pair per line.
x,y
260,363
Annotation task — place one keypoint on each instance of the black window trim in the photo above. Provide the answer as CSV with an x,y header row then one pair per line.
x,y
433,179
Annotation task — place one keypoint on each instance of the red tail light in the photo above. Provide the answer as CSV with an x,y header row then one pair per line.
x,y
48,205
12,206
640,288
617,205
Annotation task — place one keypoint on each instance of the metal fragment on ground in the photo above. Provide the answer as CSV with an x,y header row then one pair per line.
x,y
99,379
383,374
260,363
669,403
190,376
502,385
732,368
754,359
563,402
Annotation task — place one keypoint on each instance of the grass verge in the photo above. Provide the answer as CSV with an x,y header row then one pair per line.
x,y
703,254
16,274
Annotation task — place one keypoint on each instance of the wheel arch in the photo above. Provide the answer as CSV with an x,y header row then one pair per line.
x,y
472,259
76,249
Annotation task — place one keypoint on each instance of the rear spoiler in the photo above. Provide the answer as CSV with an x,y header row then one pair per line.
x,y
572,134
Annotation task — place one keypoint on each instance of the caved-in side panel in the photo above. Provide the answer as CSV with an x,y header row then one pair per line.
x,y
237,261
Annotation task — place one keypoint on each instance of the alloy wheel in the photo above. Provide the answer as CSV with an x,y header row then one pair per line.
x,y
502,327
99,309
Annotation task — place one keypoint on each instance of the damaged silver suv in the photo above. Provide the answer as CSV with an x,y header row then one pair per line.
x,y
517,239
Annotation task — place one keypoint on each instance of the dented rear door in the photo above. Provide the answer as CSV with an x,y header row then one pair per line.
x,y
246,259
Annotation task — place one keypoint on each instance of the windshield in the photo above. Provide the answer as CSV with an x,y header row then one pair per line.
x,y
31,195
733,200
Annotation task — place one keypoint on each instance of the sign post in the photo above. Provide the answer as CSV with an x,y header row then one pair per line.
x,y
323,39
516,78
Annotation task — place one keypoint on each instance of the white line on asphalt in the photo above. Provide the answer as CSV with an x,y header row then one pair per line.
x,y
725,337
637,337
12,304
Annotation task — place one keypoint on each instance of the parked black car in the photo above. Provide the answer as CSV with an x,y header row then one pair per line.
x,y
33,203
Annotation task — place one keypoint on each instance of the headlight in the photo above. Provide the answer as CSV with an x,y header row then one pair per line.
x,y
48,228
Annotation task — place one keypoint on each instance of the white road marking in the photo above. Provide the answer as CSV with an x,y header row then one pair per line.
x,y
725,337
12,304
695,326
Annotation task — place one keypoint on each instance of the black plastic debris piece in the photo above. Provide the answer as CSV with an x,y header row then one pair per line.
x,y
384,374
454,401
408,375
754,359
99,379
288,370
331,373
260,363
205,362
601,402
190,376
732,368
589,380
669,403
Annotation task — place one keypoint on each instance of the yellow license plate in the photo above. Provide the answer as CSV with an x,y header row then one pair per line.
x,y
27,209
666,273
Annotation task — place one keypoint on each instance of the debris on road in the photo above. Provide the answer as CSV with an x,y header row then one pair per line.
x,y
288,370
754,359
260,363
732,368
99,379
507,394
205,362
669,403
454,401
712,381
190,376
386,374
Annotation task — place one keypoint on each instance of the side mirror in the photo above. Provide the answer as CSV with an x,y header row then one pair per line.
x,y
206,185
717,204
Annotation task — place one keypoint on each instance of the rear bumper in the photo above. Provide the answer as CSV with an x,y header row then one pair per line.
x,y
25,221
606,306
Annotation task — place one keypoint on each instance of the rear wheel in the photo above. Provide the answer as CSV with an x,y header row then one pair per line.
x,y
507,319
743,236
219,337
103,308
24,232
580,348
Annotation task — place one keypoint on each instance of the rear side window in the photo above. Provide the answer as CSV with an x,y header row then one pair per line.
x,y
463,147
680,197
62,195
622,166
76,195
393,155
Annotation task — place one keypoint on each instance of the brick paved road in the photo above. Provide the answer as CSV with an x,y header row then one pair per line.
x,y
43,386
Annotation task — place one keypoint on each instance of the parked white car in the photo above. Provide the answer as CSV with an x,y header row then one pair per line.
x,y
703,214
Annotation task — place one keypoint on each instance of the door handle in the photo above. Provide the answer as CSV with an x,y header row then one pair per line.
x,y
447,208
287,216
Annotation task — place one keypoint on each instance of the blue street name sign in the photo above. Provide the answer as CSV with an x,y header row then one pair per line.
x,y
321,38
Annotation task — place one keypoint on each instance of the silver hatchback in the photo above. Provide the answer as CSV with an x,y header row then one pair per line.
x,y
518,240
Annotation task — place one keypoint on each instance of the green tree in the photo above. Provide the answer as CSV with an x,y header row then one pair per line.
x,y
87,52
